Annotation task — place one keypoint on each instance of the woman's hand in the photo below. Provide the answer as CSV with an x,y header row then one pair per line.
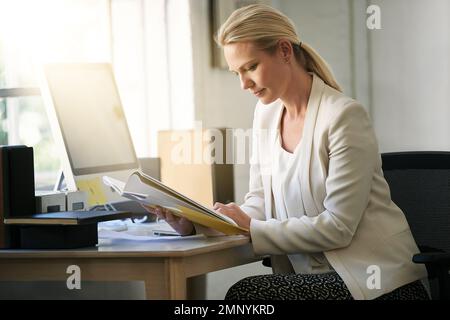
x,y
181,225
234,212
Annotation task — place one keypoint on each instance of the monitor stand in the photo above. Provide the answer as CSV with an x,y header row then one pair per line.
x,y
60,185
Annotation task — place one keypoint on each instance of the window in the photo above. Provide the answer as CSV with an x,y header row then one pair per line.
x,y
131,34
26,123
32,33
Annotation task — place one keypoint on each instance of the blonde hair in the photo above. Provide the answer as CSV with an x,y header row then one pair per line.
x,y
265,26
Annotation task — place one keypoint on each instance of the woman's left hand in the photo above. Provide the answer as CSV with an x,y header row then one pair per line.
x,y
234,212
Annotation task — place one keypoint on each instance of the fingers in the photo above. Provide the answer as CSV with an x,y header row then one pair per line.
x,y
169,216
217,205
229,205
165,214
156,210
148,208
225,208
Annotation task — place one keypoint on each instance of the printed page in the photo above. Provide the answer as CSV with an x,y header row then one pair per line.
x,y
117,185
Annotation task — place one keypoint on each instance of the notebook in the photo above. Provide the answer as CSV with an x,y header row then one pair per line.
x,y
68,218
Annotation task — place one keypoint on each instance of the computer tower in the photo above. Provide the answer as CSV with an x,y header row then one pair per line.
x,y
17,196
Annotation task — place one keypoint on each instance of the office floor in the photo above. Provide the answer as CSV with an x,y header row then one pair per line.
x,y
218,282
57,290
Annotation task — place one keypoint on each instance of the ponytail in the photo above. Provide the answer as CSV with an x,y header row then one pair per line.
x,y
313,62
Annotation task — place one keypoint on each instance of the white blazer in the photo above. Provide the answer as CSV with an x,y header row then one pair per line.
x,y
350,216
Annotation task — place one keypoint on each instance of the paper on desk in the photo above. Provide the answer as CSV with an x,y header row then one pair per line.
x,y
109,234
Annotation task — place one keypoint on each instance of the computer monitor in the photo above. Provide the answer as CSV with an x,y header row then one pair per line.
x,y
89,127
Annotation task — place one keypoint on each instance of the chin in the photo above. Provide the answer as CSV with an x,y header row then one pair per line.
x,y
267,100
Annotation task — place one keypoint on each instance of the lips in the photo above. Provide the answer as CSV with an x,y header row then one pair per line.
x,y
258,93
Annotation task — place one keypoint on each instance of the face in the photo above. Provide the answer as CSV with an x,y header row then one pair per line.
x,y
262,73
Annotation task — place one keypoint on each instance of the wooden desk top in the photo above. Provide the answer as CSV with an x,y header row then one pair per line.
x,y
115,248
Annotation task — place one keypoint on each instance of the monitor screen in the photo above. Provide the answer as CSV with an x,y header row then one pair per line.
x,y
90,117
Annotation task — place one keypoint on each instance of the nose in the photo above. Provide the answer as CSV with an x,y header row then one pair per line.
x,y
246,82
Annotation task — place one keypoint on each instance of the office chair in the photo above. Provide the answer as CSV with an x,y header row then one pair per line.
x,y
420,185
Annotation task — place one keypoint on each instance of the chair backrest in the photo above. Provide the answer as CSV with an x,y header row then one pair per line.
x,y
420,185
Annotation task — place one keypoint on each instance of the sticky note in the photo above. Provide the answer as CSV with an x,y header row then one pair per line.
x,y
94,189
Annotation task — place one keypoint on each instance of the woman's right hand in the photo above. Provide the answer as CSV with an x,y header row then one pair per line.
x,y
181,225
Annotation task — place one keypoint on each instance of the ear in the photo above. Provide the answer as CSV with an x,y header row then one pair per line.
x,y
285,50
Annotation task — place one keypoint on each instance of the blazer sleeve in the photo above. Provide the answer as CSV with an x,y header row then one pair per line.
x,y
353,152
254,200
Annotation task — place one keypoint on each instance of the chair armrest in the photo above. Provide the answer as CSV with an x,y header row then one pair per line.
x,y
267,262
432,258
437,264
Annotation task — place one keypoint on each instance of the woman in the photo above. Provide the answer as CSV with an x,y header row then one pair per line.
x,y
318,202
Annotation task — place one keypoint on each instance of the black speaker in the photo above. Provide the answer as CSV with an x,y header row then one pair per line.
x,y
17,196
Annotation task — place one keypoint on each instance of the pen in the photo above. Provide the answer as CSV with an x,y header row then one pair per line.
x,y
165,233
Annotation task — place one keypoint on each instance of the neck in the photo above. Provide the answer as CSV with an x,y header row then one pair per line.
x,y
296,96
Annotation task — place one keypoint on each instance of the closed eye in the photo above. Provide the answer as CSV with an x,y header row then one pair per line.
x,y
252,67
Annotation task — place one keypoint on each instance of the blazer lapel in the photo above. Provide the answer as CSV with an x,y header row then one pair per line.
x,y
271,141
306,150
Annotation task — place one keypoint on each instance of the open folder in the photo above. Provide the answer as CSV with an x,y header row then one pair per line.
x,y
149,191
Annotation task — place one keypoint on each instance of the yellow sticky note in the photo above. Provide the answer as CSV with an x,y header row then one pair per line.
x,y
94,189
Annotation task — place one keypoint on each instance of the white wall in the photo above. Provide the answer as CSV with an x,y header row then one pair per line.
x,y
326,26
411,73
400,73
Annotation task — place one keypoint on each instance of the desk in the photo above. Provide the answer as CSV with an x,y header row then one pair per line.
x,y
164,266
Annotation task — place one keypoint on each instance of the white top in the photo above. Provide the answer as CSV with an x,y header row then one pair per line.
x,y
288,203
